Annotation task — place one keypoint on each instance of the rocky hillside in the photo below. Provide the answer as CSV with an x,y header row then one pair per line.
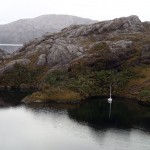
x,y
83,60
24,30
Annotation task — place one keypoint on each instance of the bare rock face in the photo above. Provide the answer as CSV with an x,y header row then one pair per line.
x,y
121,44
129,24
122,49
62,52
10,65
42,60
146,25
125,24
105,55
107,43
145,55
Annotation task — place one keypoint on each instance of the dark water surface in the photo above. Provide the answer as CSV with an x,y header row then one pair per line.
x,y
85,126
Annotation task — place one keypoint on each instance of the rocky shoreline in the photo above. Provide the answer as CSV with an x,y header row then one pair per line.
x,y
40,97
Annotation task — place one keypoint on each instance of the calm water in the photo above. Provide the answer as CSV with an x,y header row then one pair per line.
x,y
10,47
73,127
19,45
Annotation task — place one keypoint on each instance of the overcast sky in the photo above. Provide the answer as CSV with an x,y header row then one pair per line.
x,y
11,10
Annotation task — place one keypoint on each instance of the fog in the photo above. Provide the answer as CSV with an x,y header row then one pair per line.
x,y
93,9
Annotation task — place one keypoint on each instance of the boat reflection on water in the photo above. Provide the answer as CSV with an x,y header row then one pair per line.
x,y
125,114
96,113
110,110
9,98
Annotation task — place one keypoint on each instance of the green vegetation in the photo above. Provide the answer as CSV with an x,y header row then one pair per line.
x,y
145,94
20,75
55,95
57,77
90,83
65,86
99,47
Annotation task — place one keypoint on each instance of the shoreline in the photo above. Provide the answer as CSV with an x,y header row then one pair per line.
x,y
33,90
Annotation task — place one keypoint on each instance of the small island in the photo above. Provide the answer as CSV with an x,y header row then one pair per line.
x,y
81,61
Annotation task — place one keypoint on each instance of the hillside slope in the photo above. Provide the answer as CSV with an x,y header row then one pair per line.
x,y
82,60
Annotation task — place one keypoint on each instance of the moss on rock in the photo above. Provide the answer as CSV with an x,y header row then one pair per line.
x,y
54,95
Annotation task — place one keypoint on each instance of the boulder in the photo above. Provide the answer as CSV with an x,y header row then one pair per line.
x,y
42,60
62,52
145,54
10,65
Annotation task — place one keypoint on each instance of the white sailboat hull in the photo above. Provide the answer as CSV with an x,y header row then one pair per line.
x,y
109,100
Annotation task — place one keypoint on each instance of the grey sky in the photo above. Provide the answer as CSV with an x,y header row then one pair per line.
x,y
11,10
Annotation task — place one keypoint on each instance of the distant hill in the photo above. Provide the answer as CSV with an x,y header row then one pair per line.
x,y
24,30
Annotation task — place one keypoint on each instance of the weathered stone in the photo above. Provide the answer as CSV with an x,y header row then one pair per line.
x,y
10,65
62,53
30,53
121,44
145,55
124,24
42,60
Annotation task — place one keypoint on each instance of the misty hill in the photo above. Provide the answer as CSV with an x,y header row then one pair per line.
x,y
24,30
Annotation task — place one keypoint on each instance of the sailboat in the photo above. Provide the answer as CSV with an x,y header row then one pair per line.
x,y
110,99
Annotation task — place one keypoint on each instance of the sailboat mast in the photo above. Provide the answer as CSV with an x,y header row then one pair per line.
x,y
110,90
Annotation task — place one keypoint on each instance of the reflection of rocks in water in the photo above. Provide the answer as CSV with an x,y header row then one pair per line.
x,y
3,103
38,107
124,114
95,113
12,97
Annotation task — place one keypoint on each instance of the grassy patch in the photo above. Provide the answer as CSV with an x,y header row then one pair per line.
x,y
90,83
57,77
99,47
55,94
145,94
